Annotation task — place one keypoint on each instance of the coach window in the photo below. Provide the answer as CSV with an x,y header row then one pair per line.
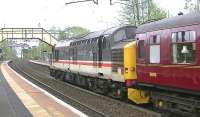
x,y
174,37
183,49
155,49
180,36
141,49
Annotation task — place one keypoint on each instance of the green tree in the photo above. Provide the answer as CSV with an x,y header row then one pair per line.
x,y
42,51
45,51
53,30
137,12
28,54
8,52
31,53
61,35
74,31
192,5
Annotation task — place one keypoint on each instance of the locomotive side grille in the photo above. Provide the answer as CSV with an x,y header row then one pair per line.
x,y
117,59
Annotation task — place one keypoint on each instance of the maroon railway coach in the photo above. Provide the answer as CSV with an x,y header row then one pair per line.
x,y
168,62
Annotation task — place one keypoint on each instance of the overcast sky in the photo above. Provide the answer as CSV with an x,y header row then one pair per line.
x,y
29,13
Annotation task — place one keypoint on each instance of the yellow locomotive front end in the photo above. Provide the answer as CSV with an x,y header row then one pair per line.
x,y
130,76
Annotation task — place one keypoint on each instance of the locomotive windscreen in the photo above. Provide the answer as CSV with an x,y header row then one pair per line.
x,y
120,35
124,34
130,33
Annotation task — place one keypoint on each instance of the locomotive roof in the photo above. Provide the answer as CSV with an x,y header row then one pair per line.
x,y
108,31
177,21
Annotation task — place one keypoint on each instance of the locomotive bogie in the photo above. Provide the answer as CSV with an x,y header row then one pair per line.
x,y
103,86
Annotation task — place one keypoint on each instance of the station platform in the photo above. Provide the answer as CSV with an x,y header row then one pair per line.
x,y
21,98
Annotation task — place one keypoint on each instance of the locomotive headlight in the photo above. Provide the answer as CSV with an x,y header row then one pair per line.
x,y
132,69
126,70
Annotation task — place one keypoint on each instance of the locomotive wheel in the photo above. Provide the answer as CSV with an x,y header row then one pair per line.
x,y
62,76
66,77
52,72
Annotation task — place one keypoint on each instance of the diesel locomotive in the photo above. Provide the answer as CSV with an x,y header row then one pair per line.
x,y
103,61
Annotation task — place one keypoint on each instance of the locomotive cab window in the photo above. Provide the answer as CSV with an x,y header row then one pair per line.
x,y
154,49
183,47
120,35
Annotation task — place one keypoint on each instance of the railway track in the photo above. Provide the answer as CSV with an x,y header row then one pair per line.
x,y
90,103
58,93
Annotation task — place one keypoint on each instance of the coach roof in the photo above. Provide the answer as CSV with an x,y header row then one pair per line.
x,y
177,21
